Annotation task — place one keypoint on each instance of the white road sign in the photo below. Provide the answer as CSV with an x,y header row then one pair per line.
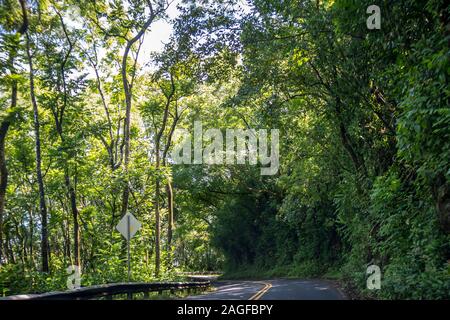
x,y
128,226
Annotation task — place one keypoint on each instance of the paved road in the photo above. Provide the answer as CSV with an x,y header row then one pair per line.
x,y
279,289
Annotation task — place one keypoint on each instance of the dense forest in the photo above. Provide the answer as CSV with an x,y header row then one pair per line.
x,y
88,121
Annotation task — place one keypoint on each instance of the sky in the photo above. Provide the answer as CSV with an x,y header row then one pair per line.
x,y
158,35
154,39
161,30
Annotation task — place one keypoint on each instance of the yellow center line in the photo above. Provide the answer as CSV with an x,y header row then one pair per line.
x,y
261,292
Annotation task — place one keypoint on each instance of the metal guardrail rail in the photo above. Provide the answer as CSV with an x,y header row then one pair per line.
x,y
201,273
109,290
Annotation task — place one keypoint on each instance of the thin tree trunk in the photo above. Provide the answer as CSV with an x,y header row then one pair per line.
x,y
357,159
169,189
127,87
42,206
76,228
3,174
66,232
8,249
4,126
31,236
157,217
59,117
157,184
170,227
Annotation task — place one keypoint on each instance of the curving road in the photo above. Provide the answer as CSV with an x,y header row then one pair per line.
x,y
278,289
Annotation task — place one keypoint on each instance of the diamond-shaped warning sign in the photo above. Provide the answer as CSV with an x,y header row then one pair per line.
x,y
128,226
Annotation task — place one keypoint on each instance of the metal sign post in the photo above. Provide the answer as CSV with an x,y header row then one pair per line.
x,y
128,226
128,248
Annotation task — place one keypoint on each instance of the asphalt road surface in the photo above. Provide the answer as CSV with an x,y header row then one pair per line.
x,y
280,289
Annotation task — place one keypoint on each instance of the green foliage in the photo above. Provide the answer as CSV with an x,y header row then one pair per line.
x,y
365,148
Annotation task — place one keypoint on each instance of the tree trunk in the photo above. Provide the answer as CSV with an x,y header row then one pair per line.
x,y
127,88
59,127
4,126
169,189
76,228
3,178
31,237
42,206
170,228
158,162
8,249
157,215
357,159
126,129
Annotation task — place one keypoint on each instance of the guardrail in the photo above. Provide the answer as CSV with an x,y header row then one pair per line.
x,y
108,291
201,273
